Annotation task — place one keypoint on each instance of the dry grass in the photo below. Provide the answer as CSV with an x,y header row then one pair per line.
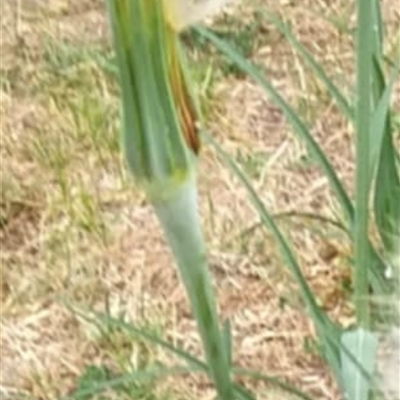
x,y
75,230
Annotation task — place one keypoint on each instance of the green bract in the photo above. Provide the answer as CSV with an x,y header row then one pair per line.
x,y
159,118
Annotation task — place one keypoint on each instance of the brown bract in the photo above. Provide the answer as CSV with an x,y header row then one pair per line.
x,y
183,99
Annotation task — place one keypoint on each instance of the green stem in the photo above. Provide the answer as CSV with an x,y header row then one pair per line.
x,y
181,223
364,69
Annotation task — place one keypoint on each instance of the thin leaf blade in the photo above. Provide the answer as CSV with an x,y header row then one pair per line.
x,y
296,122
317,68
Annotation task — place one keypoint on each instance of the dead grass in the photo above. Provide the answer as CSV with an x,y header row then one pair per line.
x,y
75,230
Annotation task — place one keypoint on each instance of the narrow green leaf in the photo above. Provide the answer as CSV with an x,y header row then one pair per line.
x,y
242,394
379,118
267,220
313,217
362,181
376,268
272,380
227,338
383,153
386,197
104,320
328,332
319,71
298,125
377,29
195,365
362,345
129,378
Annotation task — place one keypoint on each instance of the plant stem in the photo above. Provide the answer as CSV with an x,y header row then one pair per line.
x,y
362,184
181,223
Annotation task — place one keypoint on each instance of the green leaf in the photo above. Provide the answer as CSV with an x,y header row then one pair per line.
x,y
376,267
272,380
384,154
297,123
92,377
379,119
149,60
317,68
103,321
191,360
195,365
328,332
242,394
96,387
227,339
362,345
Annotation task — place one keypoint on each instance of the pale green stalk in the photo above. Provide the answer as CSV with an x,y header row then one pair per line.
x,y
363,112
180,219
160,144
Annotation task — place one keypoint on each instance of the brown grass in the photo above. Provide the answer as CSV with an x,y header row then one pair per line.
x,y
75,230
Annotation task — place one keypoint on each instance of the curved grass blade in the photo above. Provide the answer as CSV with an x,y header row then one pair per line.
x,y
195,365
272,380
242,394
386,198
328,332
298,125
319,71
227,339
129,378
313,217
376,267
110,321
267,221
380,122
288,215
106,322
